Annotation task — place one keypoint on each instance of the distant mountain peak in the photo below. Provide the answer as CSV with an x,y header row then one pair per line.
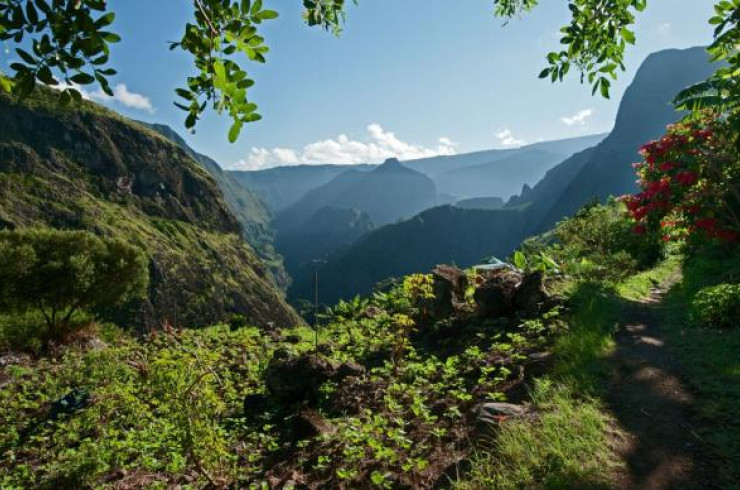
x,y
391,164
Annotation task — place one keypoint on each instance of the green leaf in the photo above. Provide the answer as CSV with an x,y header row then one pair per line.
x,y
268,15
236,128
83,78
6,85
520,260
628,35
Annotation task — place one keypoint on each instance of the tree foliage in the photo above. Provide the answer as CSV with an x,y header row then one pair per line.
x,y
62,272
69,41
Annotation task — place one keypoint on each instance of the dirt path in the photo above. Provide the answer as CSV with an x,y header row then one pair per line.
x,y
653,407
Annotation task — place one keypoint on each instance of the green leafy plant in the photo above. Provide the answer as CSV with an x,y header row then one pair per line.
x,y
717,306
598,242
540,261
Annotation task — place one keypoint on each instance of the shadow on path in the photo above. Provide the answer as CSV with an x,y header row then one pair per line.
x,y
652,406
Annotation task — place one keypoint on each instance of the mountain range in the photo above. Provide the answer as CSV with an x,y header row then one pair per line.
x,y
456,176
466,234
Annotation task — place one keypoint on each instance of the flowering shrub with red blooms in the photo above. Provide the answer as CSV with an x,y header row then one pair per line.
x,y
690,182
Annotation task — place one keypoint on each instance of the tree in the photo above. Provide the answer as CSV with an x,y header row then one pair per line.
x,y
63,272
68,41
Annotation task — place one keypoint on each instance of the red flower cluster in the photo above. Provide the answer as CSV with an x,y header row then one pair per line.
x,y
676,181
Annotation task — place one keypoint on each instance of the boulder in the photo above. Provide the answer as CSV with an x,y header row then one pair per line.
x,y
349,369
309,424
495,297
298,379
531,294
539,364
491,415
450,285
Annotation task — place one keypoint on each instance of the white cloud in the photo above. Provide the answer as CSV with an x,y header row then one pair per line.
x,y
506,139
579,118
665,29
121,95
378,146
128,99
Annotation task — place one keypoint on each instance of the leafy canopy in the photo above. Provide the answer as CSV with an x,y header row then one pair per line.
x,y
62,272
67,43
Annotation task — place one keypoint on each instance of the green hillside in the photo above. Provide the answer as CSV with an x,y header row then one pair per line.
x,y
86,168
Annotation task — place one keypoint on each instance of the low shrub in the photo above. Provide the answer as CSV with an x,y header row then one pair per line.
x,y
717,306
598,243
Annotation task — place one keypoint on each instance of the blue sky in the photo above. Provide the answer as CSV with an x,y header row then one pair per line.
x,y
407,77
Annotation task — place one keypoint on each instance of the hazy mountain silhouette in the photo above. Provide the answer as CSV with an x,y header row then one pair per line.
x,y
281,187
502,178
387,193
465,236
643,114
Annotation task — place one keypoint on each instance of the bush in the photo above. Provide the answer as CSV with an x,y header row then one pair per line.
x,y
598,243
689,181
60,273
717,306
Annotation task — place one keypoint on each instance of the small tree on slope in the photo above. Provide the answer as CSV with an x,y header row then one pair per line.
x,y
63,272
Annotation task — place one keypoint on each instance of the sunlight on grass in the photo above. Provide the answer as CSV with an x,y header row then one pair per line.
x,y
567,445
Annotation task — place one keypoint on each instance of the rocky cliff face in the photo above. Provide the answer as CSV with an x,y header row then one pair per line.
x,y
85,167
252,214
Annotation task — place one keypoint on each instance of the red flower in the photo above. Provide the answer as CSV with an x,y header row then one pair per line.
x,y
706,223
667,166
640,213
687,178
640,229
666,238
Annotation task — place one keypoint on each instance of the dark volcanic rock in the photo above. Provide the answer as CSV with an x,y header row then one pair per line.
x,y
539,364
495,297
298,379
531,294
349,369
309,424
450,284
